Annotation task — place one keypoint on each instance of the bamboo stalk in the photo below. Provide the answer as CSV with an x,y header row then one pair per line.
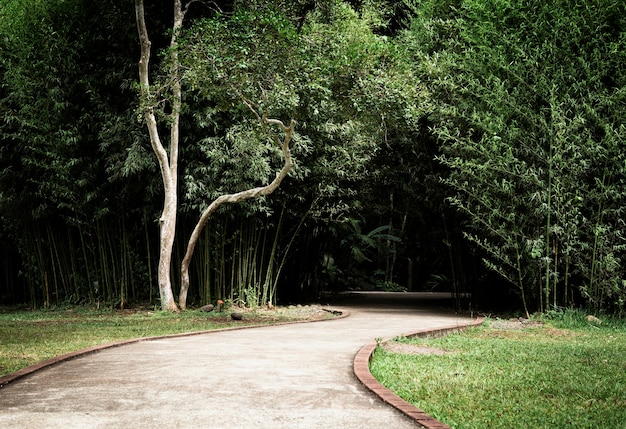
x,y
556,277
232,274
548,227
124,265
87,263
104,266
270,275
222,271
148,256
53,262
283,260
40,263
73,269
593,283
207,267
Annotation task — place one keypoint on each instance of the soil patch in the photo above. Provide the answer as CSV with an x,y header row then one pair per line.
x,y
412,349
514,324
277,314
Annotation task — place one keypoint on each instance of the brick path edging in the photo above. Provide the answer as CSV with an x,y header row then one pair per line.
x,y
362,372
14,376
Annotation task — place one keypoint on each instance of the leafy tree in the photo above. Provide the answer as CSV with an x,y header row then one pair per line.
x,y
331,72
173,84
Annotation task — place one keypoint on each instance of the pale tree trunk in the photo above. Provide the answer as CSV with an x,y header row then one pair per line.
x,y
168,164
235,198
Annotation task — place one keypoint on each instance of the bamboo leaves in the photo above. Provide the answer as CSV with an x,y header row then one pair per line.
x,y
527,138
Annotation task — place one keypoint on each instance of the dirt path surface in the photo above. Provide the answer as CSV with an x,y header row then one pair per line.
x,y
289,376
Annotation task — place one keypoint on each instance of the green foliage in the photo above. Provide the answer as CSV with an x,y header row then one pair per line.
x,y
78,182
66,124
239,66
522,105
566,318
65,97
350,90
530,102
36,62
248,55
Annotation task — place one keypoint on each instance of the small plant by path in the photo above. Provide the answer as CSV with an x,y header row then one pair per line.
x,y
557,373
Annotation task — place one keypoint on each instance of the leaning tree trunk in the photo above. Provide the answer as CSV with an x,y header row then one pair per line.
x,y
168,165
235,198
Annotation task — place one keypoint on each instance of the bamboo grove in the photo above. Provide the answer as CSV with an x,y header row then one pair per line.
x,y
472,146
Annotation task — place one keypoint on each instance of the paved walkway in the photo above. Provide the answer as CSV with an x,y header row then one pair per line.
x,y
289,376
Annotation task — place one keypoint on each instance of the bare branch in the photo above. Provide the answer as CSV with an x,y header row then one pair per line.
x,y
250,106
216,7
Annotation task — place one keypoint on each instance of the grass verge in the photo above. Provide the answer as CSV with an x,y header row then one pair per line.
x,y
560,373
29,337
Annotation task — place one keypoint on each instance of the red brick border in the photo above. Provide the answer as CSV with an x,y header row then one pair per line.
x,y
362,372
14,376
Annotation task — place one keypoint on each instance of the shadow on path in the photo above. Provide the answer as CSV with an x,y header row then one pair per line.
x,y
391,300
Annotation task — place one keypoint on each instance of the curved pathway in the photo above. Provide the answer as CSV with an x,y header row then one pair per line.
x,y
287,376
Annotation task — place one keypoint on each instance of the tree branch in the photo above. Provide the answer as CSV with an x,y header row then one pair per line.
x,y
235,198
144,84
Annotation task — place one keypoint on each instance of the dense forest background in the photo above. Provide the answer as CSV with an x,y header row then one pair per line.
x,y
468,146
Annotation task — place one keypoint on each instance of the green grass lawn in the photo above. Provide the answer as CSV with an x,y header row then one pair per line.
x,y
29,337
555,375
